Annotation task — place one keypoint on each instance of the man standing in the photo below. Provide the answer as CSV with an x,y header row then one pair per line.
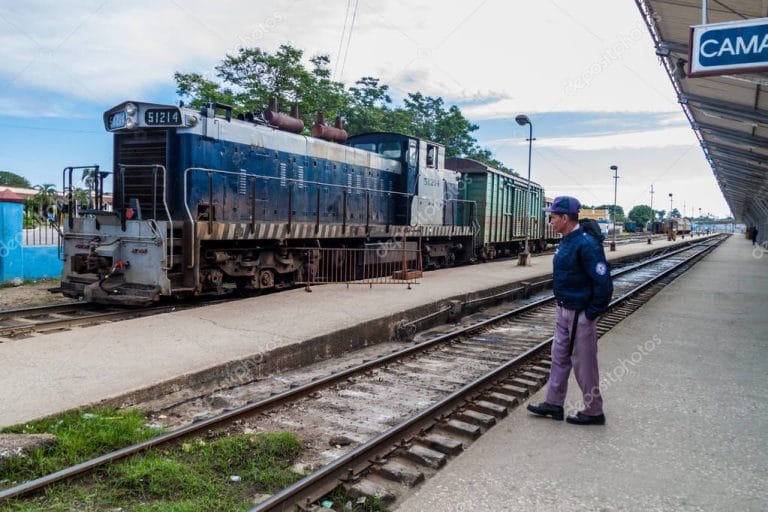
x,y
583,287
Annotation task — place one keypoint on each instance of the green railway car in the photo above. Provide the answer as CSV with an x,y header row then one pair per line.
x,y
504,208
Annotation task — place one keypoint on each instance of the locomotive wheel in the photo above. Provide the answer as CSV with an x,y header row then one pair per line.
x,y
266,279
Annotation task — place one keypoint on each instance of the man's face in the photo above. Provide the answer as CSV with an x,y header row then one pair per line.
x,y
559,222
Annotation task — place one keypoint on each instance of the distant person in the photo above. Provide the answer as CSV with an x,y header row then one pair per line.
x,y
754,235
583,288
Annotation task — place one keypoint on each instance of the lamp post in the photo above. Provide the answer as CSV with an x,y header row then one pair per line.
x,y
524,259
615,170
670,205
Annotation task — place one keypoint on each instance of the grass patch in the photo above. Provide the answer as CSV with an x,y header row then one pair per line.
x,y
341,499
81,435
197,476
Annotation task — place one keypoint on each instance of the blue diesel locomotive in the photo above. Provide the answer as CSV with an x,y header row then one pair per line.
x,y
202,201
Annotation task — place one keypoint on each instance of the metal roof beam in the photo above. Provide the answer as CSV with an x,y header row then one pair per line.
x,y
664,47
724,107
734,135
738,164
728,171
730,188
738,153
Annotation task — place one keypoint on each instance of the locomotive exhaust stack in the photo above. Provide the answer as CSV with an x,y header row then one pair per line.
x,y
330,133
290,123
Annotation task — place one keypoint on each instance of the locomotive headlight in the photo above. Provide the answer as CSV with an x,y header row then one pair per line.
x,y
130,109
130,122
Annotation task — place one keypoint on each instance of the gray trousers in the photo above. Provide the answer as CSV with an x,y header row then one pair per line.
x,y
583,360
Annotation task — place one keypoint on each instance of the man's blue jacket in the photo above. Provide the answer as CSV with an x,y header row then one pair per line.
x,y
582,279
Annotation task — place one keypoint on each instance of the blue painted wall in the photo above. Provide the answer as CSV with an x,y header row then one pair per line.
x,y
10,241
17,260
41,262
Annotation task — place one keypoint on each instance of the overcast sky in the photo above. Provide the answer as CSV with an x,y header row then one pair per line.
x,y
584,72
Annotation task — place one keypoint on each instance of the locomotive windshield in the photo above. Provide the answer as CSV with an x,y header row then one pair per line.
x,y
389,149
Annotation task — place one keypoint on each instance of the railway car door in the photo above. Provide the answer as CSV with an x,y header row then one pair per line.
x,y
427,204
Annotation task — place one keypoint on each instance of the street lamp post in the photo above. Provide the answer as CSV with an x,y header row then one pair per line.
x,y
523,120
615,170
670,205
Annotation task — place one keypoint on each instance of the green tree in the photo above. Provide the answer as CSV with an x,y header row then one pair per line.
x,y
249,78
253,76
675,213
641,214
369,108
10,179
485,156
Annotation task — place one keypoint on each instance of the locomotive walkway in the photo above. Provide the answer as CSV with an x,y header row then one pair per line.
x,y
144,358
685,405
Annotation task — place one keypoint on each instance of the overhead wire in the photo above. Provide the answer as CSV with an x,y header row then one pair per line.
x,y
341,39
349,39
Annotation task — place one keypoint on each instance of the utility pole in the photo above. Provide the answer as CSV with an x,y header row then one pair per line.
x,y
615,170
653,214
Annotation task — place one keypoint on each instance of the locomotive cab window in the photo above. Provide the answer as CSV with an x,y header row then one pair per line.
x,y
367,146
390,149
413,153
431,156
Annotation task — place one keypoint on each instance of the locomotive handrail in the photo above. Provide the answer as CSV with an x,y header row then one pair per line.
x,y
67,188
154,168
290,182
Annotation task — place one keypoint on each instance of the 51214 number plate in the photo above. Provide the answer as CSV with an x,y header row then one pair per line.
x,y
162,117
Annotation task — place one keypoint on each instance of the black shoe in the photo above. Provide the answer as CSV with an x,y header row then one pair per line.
x,y
585,419
545,409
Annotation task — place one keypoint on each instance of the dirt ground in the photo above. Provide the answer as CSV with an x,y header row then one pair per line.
x,y
31,293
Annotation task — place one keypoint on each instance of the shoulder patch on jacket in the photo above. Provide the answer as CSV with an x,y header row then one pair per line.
x,y
601,268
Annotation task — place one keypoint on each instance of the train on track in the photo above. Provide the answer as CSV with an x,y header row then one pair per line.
x,y
204,202
678,226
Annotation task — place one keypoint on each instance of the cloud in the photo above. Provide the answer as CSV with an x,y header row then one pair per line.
x,y
656,138
106,52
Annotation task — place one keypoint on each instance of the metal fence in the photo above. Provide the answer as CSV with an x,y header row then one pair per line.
x,y
397,261
40,229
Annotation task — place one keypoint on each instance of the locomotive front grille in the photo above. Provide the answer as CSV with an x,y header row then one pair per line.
x,y
146,148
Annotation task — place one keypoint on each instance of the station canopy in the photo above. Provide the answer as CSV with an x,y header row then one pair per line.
x,y
729,113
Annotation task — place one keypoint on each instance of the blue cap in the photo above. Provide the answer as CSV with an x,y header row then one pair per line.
x,y
564,204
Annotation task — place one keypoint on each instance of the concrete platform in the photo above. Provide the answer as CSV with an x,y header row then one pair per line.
x,y
119,362
685,387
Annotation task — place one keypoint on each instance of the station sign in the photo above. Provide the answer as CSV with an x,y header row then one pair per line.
x,y
729,48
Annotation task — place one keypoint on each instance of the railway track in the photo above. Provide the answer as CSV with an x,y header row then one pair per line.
x,y
27,322
407,412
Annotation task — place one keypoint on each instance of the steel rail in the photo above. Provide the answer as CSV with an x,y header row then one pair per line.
x,y
50,308
62,323
249,408
329,475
